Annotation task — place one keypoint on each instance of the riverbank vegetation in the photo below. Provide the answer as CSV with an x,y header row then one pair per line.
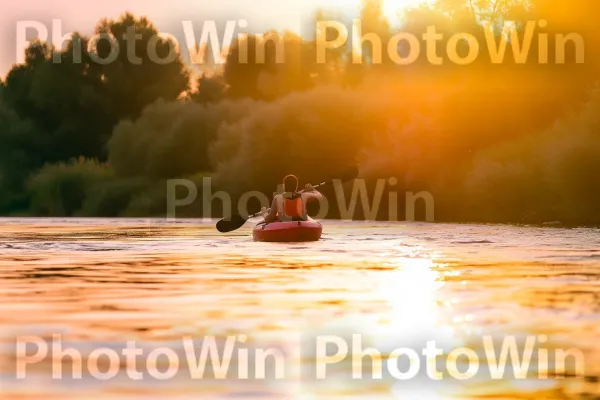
x,y
491,142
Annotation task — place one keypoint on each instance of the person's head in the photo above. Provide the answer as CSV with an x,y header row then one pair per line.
x,y
290,184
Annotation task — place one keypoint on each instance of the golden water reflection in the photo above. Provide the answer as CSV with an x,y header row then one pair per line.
x,y
399,285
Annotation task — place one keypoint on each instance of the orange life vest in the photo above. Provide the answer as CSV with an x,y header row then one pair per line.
x,y
292,208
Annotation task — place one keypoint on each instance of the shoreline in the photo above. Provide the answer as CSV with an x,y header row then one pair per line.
x,y
190,220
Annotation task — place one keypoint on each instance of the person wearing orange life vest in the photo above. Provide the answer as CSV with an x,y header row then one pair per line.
x,y
291,205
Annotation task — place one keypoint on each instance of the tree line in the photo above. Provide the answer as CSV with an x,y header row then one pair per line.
x,y
503,143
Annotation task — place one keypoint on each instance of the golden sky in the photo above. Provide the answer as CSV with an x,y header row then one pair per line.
x,y
168,15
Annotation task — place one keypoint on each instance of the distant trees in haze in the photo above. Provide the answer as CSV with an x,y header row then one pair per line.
x,y
491,142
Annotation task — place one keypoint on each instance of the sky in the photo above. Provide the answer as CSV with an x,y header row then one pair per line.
x,y
167,15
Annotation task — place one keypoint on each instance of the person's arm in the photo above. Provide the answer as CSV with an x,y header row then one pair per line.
x,y
311,193
272,215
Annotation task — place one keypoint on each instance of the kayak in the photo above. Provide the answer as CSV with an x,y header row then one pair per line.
x,y
288,231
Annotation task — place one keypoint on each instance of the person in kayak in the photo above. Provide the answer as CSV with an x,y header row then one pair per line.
x,y
291,205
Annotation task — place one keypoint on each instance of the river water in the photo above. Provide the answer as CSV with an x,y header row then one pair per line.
x,y
89,284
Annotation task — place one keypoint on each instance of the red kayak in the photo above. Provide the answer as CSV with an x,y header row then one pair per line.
x,y
288,231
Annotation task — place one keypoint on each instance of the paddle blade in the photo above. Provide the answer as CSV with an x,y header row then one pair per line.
x,y
236,222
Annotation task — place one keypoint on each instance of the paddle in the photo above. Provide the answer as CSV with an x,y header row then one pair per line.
x,y
237,221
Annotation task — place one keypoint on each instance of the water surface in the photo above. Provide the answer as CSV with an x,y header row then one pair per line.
x,y
101,282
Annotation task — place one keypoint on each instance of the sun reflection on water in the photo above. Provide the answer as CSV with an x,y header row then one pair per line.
x,y
414,304
414,314
111,281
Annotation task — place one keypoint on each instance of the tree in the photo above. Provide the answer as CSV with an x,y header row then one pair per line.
x,y
171,139
148,70
268,66
62,104
74,99
210,89
374,21
18,148
64,100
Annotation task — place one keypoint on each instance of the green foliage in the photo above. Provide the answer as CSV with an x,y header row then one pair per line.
x,y
110,198
287,66
150,202
171,139
483,139
211,89
73,101
552,175
133,81
14,135
15,158
310,134
59,190
506,183
63,101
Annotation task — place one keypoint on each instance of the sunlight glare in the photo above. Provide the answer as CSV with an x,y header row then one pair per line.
x,y
392,8
411,291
